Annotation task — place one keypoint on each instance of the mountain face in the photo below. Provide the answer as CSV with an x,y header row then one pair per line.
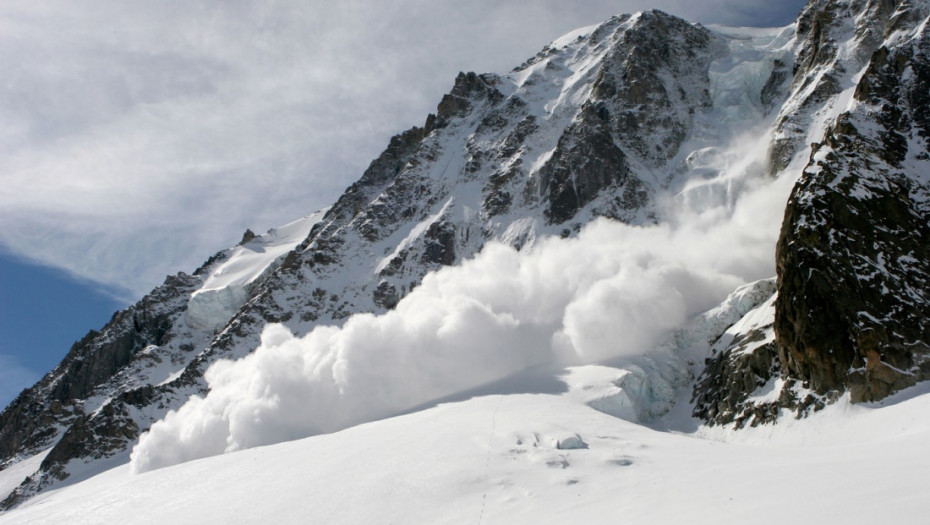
x,y
629,120
863,199
851,311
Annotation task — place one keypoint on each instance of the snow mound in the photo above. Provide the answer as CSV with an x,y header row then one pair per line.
x,y
571,443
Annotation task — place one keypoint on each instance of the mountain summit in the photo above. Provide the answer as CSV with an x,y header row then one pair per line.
x,y
735,219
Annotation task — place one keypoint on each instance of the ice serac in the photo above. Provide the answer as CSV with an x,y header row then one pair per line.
x,y
228,286
851,313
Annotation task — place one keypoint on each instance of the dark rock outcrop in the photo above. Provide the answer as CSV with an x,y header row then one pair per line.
x,y
853,273
853,307
32,421
585,162
722,392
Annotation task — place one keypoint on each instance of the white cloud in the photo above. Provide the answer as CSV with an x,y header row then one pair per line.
x,y
136,138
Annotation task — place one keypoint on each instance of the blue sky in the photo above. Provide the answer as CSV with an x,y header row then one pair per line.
x,y
138,150
42,312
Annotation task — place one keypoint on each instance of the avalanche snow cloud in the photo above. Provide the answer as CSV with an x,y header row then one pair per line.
x,y
613,291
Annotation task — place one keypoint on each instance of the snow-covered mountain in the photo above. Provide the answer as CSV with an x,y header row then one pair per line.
x,y
649,218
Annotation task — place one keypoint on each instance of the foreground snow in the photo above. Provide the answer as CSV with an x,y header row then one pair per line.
x,y
496,458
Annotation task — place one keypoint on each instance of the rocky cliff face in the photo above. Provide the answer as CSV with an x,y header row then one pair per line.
x,y
77,410
852,259
600,123
851,312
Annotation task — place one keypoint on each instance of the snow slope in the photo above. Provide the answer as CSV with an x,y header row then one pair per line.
x,y
13,475
530,450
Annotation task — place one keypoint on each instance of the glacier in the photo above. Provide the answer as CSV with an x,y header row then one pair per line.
x,y
227,288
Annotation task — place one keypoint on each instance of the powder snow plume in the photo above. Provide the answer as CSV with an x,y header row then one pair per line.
x,y
614,290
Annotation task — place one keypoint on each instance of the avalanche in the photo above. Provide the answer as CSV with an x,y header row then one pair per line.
x,y
613,291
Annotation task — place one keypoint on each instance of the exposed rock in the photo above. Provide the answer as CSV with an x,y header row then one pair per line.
x,y
742,365
853,274
88,438
815,71
722,393
585,162
440,244
852,312
468,88
654,81
386,295
643,102
248,236
774,88
31,422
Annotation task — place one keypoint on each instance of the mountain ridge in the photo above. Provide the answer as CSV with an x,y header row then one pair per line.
x,y
592,126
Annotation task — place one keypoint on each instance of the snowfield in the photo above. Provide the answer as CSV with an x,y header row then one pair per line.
x,y
530,450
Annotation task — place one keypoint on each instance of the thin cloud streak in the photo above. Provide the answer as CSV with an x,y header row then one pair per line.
x,y
137,138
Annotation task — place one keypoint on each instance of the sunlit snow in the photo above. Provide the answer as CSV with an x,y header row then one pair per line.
x,y
495,458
